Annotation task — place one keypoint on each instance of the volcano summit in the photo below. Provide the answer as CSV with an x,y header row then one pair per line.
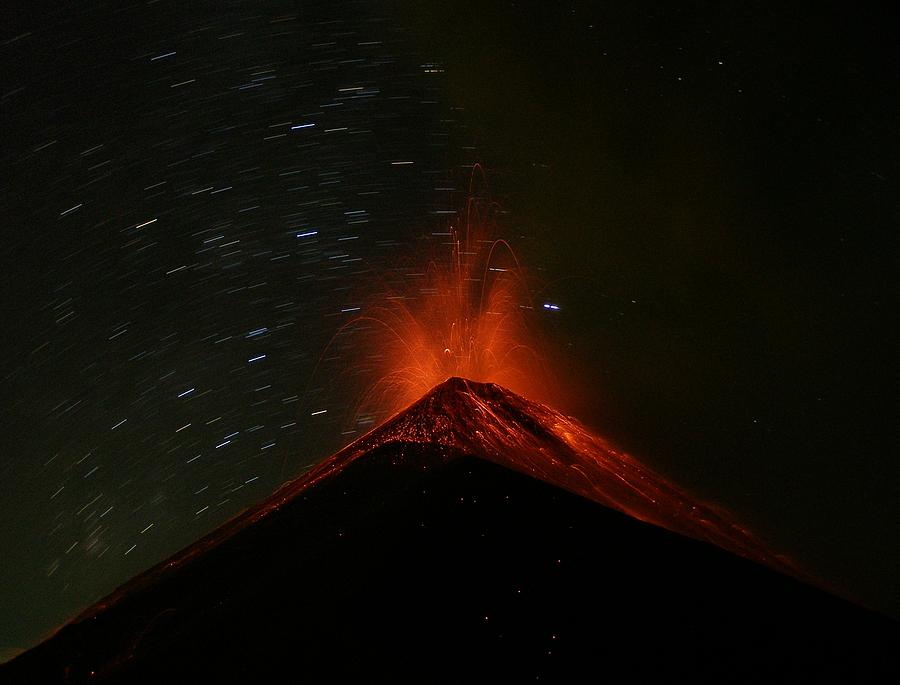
x,y
463,541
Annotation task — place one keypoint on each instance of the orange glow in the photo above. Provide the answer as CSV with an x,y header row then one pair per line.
x,y
464,311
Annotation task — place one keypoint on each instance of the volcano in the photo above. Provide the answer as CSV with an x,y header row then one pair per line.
x,y
474,536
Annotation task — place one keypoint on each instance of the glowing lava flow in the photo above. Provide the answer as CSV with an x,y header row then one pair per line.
x,y
491,422
488,421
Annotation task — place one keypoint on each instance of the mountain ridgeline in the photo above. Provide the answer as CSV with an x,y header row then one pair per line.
x,y
462,541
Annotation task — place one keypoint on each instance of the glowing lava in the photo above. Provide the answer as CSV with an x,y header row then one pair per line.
x,y
467,313
491,422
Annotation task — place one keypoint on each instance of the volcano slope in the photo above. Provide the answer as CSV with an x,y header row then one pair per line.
x,y
464,540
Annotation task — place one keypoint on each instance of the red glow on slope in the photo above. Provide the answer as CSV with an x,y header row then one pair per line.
x,y
491,422
484,420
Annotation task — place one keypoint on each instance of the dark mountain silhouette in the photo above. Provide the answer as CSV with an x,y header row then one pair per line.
x,y
418,553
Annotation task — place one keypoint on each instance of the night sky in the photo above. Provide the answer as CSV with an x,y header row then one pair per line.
x,y
196,198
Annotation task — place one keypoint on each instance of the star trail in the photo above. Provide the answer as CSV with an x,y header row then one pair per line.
x,y
196,195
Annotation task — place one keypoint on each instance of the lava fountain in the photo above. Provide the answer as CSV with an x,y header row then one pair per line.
x,y
467,313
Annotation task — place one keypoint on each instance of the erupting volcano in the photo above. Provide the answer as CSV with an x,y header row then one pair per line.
x,y
475,534
418,554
